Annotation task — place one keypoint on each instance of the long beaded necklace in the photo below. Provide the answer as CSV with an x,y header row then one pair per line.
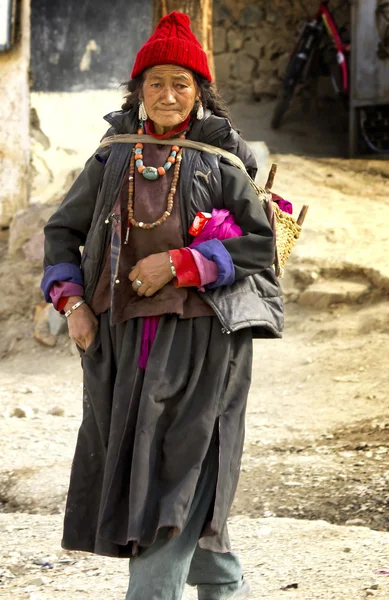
x,y
131,187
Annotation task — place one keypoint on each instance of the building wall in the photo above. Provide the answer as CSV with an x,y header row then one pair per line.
x,y
252,42
14,119
76,69
77,66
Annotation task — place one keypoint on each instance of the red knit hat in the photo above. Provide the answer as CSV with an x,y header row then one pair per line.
x,y
172,43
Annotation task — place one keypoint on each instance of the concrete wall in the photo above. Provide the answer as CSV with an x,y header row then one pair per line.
x,y
14,119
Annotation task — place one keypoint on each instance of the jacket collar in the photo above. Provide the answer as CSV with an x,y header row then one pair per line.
x,y
210,129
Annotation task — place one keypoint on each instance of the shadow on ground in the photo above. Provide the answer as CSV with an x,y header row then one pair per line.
x,y
309,128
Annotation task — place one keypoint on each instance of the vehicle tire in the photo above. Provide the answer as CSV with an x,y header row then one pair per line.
x,y
298,64
280,109
294,74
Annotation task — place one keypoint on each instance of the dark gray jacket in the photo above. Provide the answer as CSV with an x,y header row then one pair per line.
x,y
206,181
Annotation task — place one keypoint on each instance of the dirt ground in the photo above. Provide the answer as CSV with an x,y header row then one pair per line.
x,y
310,520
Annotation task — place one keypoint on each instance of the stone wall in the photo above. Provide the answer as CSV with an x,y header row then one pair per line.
x,y
252,42
14,119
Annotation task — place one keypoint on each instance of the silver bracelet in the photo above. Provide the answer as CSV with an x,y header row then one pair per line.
x,y
74,307
172,267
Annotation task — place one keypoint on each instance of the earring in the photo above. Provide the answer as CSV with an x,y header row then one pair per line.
x,y
142,112
200,112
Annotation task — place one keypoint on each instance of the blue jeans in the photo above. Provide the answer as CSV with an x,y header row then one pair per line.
x,y
161,571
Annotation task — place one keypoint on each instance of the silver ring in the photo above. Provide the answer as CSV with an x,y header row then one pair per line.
x,y
138,282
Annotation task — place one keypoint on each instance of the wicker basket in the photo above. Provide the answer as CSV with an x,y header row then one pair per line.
x,y
287,232
286,228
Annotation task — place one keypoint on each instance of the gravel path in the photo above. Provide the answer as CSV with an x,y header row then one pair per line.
x,y
312,560
317,442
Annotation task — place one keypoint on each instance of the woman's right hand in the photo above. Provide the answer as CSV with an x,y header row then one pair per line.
x,y
82,323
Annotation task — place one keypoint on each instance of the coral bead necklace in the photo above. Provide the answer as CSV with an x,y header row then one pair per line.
x,y
153,173
176,161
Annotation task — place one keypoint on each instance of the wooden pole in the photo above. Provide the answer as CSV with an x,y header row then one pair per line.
x,y
271,176
302,215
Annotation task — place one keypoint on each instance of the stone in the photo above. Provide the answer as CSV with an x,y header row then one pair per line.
x,y
22,412
267,66
222,12
355,523
27,223
276,46
253,48
266,88
35,581
57,323
243,92
234,40
223,66
244,67
273,87
34,249
228,93
271,16
282,63
323,294
38,489
42,331
251,16
219,40
56,411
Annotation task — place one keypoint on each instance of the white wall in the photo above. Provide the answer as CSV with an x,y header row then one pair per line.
x,y
71,126
14,122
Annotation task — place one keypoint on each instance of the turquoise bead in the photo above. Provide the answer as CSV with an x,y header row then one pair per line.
x,y
167,166
138,150
150,173
139,162
173,153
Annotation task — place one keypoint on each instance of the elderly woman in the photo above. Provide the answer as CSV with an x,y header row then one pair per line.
x,y
165,387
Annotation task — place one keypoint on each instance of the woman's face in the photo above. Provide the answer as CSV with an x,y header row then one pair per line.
x,y
169,93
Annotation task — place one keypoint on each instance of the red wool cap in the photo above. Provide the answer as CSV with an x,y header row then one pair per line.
x,y
173,43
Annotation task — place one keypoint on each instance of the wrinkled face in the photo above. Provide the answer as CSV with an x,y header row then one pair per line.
x,y
169,93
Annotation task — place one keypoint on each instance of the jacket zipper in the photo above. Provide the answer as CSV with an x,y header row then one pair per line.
x,y
112,216
93,283
219,315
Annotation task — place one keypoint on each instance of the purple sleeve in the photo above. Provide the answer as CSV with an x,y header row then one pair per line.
x,y
63,289
215,251
61,272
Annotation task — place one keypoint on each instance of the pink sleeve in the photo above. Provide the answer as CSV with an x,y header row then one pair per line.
x,y
207,268
64,288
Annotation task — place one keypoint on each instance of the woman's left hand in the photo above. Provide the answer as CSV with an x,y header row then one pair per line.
x,y
152,273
